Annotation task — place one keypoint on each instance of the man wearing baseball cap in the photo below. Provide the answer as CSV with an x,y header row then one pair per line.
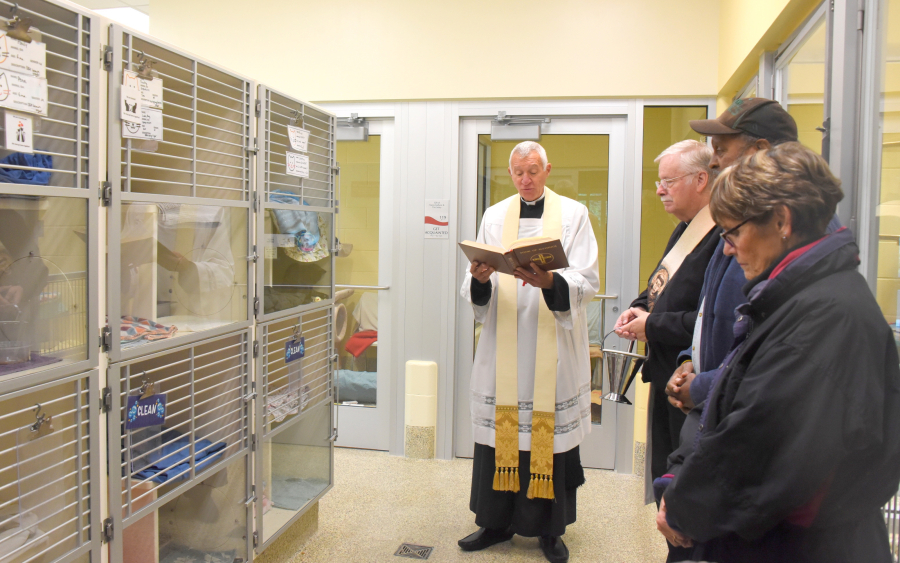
x,y
749,125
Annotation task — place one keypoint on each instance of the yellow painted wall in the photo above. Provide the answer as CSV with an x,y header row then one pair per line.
x,y
748,28
406,49
663,126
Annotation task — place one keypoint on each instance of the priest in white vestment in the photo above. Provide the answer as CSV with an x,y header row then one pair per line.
x,y
528,497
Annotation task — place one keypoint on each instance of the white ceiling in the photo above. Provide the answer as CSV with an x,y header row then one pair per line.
x,y
140,5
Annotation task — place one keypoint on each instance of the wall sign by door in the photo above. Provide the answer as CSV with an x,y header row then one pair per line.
x,y
437,218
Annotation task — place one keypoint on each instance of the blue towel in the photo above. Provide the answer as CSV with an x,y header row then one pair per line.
x,y
304,225
176,467
17,176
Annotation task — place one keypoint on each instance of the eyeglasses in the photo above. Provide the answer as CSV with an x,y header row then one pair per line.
x,y
666,182
726,235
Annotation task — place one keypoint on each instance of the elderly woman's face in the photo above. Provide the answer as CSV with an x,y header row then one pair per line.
x,y
755,246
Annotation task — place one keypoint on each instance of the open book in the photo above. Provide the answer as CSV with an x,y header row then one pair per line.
x,y
546,252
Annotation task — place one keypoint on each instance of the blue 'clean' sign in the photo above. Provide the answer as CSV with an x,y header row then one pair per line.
x,y
294,349
145,412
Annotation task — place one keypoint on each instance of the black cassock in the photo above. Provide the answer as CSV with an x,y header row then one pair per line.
x,y
670,330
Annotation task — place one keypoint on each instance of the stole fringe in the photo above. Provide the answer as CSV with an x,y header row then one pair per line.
x,y
540,486
507,479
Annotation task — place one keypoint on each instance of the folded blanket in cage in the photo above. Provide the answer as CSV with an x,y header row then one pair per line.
x,y
172,462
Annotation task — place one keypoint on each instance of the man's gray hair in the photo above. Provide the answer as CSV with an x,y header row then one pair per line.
x,y
525,148
695,156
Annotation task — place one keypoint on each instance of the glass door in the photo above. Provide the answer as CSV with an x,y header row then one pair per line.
x,y
588,158
362,345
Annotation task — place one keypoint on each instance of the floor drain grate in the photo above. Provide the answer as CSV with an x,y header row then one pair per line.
x,y
414,551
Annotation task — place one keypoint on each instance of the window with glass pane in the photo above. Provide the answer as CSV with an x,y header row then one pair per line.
x,y
357,264
580,172
43,282
888,284
297,255
296,467
803,87
184,270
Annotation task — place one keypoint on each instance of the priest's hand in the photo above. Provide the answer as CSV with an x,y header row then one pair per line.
x,y
481,271
679,387
635,327
535,276
674,537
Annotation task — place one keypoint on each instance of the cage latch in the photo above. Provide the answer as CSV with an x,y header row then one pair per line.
x,y
106,400
106,533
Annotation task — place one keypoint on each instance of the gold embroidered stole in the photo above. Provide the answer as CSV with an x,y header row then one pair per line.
x,y
543,424
696,230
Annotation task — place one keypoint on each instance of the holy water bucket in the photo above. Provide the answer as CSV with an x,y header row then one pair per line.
x,y
621,368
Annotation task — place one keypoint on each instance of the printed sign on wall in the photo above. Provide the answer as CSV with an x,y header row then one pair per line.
x,y
437,218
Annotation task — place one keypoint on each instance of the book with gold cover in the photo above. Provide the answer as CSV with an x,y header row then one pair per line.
x,y
546,252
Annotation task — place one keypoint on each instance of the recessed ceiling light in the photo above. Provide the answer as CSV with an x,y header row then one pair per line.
x,y
128,16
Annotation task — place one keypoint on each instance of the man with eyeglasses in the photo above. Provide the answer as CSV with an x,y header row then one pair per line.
x,y
664,315
749,125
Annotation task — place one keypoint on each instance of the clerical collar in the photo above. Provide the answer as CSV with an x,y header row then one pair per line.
x,y
535,202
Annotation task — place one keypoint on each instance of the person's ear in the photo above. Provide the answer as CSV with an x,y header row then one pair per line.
x,y
547,170
782,222
762,144
702,181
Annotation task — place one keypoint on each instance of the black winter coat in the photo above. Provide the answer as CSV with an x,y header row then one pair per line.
x,y
799,444
670,327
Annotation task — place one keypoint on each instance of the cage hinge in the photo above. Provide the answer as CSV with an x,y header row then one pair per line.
x,y
255,539
336,169
256,305
255,202
107,57
255,349
106,534
255,148
860,20
258,108
106,400
105,339
105,194
253,442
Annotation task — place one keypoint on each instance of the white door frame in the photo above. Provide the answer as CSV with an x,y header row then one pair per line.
x,y
362,426
598,450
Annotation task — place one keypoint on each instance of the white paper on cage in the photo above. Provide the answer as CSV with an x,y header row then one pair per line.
x,y
297,164
150,128
22,57
299,138
19,132
131,106
149,89
23,92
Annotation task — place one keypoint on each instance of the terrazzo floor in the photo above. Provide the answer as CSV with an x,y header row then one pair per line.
x,y
380,501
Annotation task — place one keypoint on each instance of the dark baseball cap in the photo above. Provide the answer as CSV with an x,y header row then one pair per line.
x,y
759,117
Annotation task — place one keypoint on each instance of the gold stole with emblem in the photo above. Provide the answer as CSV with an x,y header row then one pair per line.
x,y
543,422
697,229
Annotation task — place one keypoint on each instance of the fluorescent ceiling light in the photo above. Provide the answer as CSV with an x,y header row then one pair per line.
x,y
128,16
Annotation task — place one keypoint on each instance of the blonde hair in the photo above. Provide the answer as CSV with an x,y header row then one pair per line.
x,y
788,175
